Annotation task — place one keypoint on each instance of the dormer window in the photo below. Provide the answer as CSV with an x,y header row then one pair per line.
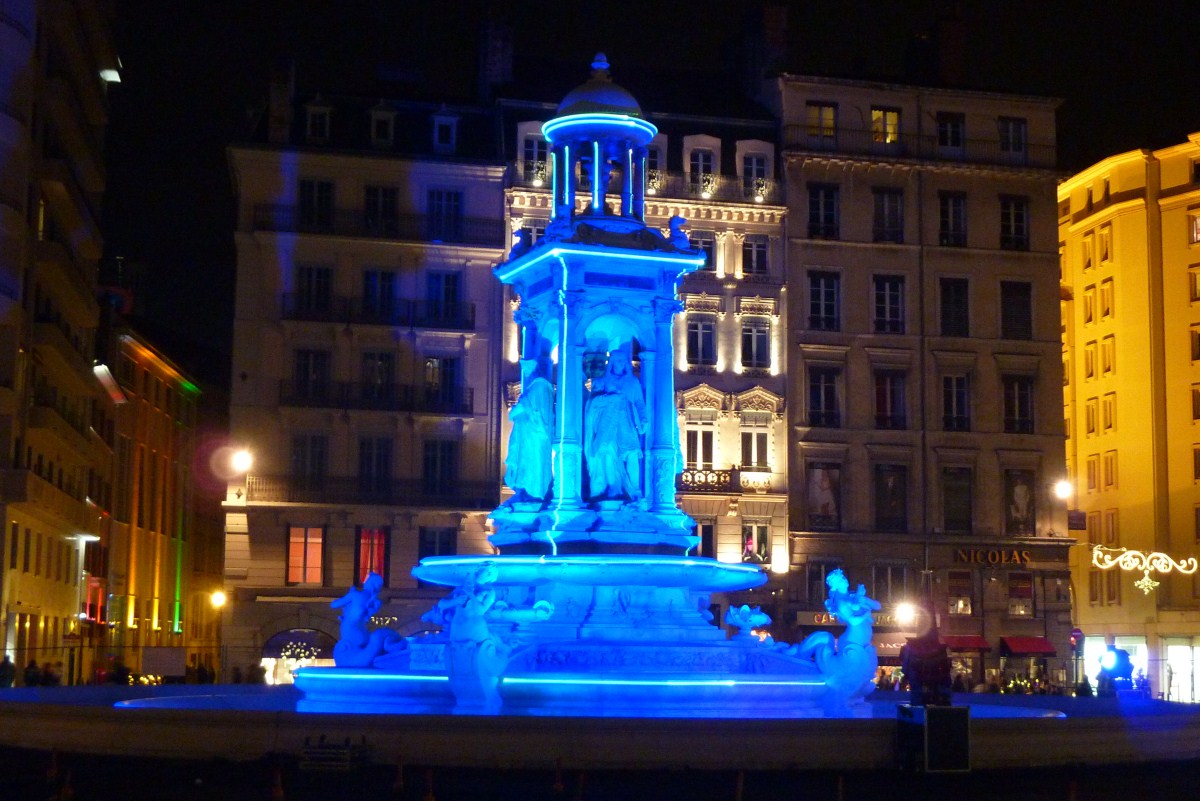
x,y
316,130
445,134
534,158
383,123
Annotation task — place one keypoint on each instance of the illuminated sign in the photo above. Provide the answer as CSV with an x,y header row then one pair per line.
x,y
992,556
826,619
1156,562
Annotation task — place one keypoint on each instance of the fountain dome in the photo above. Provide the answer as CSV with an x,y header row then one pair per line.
x,y
599,95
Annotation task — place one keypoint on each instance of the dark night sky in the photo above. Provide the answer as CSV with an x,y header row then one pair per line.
x,y
193,69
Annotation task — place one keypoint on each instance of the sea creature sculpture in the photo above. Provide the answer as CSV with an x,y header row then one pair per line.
x,y
746,618
848,662
359,647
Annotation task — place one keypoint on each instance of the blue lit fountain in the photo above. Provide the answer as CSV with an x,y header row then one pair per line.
x,y
593,606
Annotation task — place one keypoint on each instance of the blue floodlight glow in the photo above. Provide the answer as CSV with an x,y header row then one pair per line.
x,y
582,122
1108,660
508,275
597,190
592,681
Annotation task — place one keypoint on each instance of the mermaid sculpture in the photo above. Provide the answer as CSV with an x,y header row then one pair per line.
x,y
848,663
358,647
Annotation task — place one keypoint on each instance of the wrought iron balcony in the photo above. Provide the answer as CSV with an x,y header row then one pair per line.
x,y
415,492
456,316
709,481
377,396
867,142
292,218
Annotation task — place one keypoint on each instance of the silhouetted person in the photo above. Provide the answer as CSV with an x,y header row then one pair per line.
x,y
33,674
8,673
235,675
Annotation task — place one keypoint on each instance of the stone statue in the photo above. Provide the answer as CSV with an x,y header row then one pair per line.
x,y
527,467
613,426
358,647
745,618
678,237
848,663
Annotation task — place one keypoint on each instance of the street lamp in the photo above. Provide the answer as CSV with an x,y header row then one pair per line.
x,y
218,599
241,461
1063,489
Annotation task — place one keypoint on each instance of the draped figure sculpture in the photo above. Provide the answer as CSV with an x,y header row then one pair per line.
x,y
614,422
527,467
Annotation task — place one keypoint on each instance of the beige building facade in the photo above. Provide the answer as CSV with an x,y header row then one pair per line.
x,y
924,367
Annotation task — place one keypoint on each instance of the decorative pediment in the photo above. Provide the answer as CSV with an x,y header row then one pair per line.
x,y
768,307
701,397
758,399
703,302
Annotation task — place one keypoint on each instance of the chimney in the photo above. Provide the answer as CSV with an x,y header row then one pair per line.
x,y
279,102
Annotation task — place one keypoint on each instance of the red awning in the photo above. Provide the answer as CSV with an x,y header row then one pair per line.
x,y
1026,646
966,642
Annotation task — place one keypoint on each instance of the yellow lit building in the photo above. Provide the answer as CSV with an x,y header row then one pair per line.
x,y
1129,239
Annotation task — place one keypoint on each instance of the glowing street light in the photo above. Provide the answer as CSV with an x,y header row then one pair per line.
x,y
906,613
1063,489
241,461
218,599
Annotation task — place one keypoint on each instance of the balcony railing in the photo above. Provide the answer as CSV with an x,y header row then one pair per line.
x,y
391,311
708,481
416,492
661,183
379,397
912,146
291,218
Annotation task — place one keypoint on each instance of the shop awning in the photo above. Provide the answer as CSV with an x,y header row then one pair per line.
x,y
1026,646
966,642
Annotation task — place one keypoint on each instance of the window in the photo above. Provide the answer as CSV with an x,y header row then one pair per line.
x,y
381,210
1086,248
754,176
375,465
952,219
441,381
25,554
956,397
823,407
756,343
1108,411
534,160
955,307
889,215
439,466
822,211
445,215
317,125
889,304
890,583
824,303
1195,477
885,125
13,536
1090,414
756,436
705,242
1195,337
817,571
1089,305
379,294
436,541
951,131
890,399
701,340
378,375
1019,502
960,591
311,381
756,542
314,290
706,532
754,255
821,119
1109,469
310,455
1018,404
316,205
1089,360
1014,135
371,547
382,126
1014,222
957,507
1020,594
1016,310
1093,473
1194,228
445,134
891,497
443,296
1105,241
824,496
305,555
699,435
1108,355
701,180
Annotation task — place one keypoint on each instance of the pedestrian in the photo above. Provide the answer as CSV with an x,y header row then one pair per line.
x,y
49,679
235,675
8,673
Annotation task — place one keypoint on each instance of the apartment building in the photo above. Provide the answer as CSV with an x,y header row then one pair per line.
x,y
60,58
1129,239
924,363
366,362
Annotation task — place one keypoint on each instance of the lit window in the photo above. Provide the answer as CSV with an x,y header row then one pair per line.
x,y
823,499
754,176
885,125
960,592
699,438
821,119
305,553
1020,594
756,542
371,547
701,176
756,437
534,161
1194,228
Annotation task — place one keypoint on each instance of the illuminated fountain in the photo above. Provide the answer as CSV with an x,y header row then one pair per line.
x,y
593,605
